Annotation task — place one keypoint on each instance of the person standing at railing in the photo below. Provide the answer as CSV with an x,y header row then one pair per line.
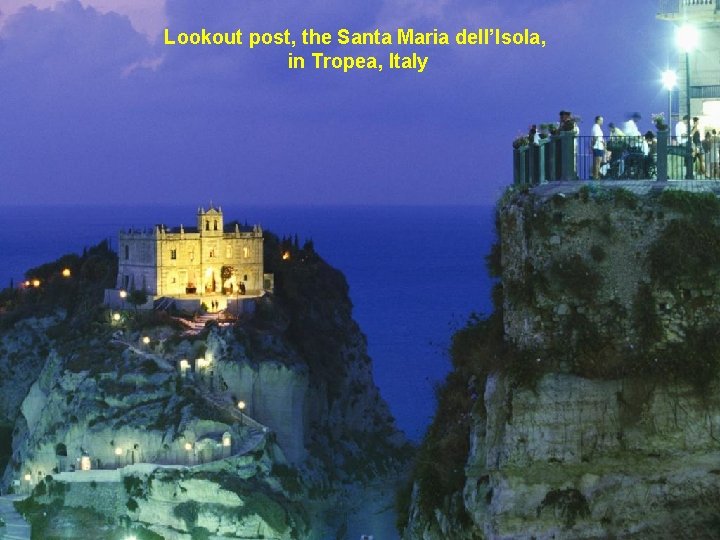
x,y
616,146
630,128
681,131
533,135
568,123
636,143
711,147
650,151
598,146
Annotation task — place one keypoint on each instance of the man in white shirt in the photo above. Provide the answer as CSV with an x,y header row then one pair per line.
x,y
630,128
598,146
681,131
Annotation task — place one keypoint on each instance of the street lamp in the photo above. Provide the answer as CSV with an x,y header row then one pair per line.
x,y
241,406
669,80
687,38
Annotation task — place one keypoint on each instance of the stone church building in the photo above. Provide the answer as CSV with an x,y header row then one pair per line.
x,y
210,259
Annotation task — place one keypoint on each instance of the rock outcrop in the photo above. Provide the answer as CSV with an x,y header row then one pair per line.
x,y
169,451
587,406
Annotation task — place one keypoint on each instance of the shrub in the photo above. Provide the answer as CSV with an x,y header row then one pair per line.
x,y
288,477
134,486
576,277
686,250
597,252
701,206
626,198
645,316
188,512
570,503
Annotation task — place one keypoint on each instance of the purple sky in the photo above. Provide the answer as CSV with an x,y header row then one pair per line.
x,y
93,109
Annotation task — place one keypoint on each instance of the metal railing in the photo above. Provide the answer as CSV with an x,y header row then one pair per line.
x,y
566,157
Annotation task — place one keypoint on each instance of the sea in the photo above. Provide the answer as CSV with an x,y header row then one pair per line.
x,y
416,273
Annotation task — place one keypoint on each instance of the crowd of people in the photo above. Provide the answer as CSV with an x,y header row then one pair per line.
x,y
629,153
705,150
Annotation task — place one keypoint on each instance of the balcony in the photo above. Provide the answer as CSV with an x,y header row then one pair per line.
x,y
690,10
566,157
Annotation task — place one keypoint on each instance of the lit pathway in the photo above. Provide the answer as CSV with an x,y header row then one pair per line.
x,y
16,528
115,475
164,364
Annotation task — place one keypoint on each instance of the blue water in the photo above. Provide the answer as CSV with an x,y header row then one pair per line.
x,y
415,273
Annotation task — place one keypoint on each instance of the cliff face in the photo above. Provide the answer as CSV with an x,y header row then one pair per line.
x,y
590,398
313,436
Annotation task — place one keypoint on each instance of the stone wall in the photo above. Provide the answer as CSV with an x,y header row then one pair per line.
x,y
599,262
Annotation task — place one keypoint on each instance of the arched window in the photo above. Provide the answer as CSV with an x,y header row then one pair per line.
x,y
61,450
215,225
127,252
207,224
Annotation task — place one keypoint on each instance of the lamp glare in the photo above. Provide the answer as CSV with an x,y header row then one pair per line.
x,y
687,38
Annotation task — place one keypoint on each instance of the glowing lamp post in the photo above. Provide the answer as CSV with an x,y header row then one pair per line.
x,y
669,81
116,317
189,450
123,296
146,340
66,273
241,406
687,38
85,464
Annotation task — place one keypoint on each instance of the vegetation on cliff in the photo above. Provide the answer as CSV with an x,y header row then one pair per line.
x,y
562,290
108,380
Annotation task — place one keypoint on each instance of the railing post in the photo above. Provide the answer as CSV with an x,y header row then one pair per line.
x,y
523,164
662,155
540,167
567,159
552,152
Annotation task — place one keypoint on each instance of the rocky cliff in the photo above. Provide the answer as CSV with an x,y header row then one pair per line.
x,y
587,405
170,454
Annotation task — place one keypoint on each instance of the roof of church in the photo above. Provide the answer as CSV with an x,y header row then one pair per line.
x,y
228,228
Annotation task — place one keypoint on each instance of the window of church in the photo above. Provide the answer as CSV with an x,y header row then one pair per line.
x,y
245,277
207,224
228,251
215,225
191,254
173,254
127,252
212,253
246,252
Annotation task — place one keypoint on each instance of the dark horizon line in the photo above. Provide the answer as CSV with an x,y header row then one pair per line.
x,y
251,205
